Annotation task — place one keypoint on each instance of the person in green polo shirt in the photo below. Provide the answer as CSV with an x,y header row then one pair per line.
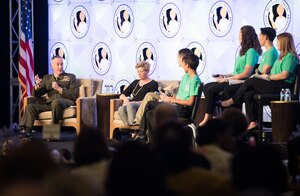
x,y
243,68
266,38
282,75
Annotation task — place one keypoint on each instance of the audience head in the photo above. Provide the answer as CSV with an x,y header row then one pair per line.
x,y
269,32
61,156
236,119
248,39
31,162
172,136
9,146
285,44
90,146
173,144
294,157
216,131
8,142
164,112
259,168
134,170
65,183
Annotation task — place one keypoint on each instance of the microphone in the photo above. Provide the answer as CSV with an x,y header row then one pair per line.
x,y
215,75
165,92
161,90
158,92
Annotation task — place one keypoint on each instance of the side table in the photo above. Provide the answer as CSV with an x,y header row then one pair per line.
x,y
285,116
103,111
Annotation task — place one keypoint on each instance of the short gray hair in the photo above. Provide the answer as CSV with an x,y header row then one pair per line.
x,y
143,64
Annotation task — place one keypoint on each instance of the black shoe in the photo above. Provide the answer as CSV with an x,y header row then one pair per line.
x,y
26,134
141,135
133,123
22,129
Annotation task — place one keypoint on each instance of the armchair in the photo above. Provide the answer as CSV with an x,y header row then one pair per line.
x,y
85,111
115,121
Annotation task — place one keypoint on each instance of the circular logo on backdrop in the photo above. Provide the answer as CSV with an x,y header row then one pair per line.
x,y
80,21
220,19
147,52
101,58
170,20
60,49
123,21
121,84
277,15
198,50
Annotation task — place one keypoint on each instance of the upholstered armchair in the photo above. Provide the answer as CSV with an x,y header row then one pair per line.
x,y
85,111
115,122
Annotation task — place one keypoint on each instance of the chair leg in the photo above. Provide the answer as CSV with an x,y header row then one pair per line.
x,y
260,122
193,127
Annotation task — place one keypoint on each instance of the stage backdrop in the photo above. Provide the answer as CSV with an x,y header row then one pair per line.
x,y
106,38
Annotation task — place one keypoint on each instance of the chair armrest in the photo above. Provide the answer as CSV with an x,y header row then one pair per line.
x,y
86,111
115,104
113,107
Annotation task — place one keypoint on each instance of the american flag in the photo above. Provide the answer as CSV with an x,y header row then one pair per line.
x,y
26,64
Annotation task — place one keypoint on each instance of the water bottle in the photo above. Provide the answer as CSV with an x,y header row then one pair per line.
x,y
106,89
287,96
282,95
111,89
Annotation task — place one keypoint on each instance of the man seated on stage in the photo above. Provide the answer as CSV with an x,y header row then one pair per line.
x,y
62,90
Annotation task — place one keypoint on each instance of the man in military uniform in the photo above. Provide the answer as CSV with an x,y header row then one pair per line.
x,y
62,91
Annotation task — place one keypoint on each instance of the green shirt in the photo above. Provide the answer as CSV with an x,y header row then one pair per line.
x,y
249,58
268,58
288,63
188,87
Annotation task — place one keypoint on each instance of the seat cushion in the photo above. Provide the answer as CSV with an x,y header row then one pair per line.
x,y
117,116
68,113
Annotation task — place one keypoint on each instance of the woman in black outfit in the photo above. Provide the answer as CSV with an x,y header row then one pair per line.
x,y
135,93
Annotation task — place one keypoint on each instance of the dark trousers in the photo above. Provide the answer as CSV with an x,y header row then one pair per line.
x,y
211,91
57,107
254,86
230,90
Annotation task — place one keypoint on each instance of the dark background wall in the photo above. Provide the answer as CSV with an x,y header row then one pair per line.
x,y
40,51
